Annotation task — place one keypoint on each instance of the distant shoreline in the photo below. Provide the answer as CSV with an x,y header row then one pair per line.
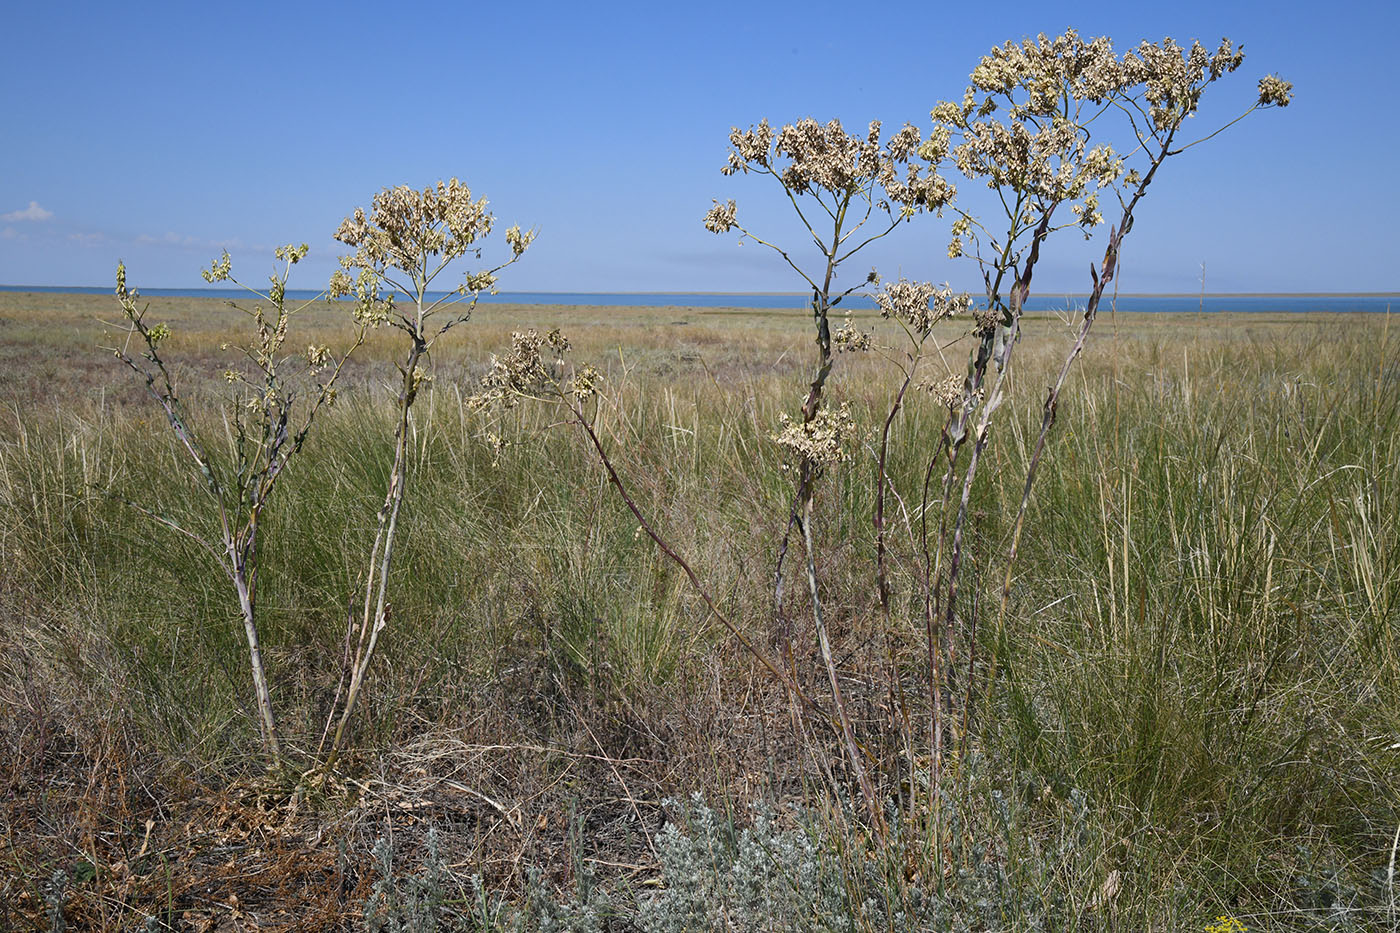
x,y
505,296
1049,302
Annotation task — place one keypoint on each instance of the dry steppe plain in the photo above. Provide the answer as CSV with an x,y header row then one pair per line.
x,y
1197,683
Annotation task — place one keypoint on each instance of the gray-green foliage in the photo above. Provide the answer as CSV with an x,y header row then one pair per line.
x,y
408,904
58,885
797,871
719,877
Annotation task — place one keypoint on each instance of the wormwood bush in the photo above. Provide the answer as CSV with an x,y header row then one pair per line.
x,y
406,903
794,872
800,871
719,877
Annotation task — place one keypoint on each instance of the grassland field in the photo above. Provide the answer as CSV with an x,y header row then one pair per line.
x,y
1191,710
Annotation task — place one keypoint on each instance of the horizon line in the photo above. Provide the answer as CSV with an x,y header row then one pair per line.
x,y
760,293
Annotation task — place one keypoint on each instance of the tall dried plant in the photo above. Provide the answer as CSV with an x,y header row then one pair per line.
x,y
273,399
848,191
1031,127
407,240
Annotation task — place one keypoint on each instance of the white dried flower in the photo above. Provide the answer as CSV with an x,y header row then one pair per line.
x,y
819,441
219,270
920,305
583,385
292,253
404,223
948,391
523,371
810,157
1274,91
850,339
720,218
518,241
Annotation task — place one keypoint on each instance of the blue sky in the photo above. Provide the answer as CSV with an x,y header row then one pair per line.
x,y
160,133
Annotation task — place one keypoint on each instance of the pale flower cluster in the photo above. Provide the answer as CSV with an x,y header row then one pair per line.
x,y
371,309
1043,66
721,217
821,441
1033,78
271,334
518,240
318,357
850,339
404,225
810,157
987,319
524,371
219,270
920,305
947,391
1172,77
583,384
1274,91
1048,160
752,147
291,253
1023,123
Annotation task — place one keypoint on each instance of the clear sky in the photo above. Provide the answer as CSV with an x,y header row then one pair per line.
x,y
161,133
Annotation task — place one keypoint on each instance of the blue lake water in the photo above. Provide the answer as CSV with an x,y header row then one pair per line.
x,y
1047,302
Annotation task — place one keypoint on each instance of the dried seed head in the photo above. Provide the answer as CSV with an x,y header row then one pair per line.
x,y
405,225
720,218
812,157
751,148
948,391
340,285
987,320
920,305
1023,122
1274,91
498,445
291,253
523,371
850,339
583,385
518,241
218,270
820,441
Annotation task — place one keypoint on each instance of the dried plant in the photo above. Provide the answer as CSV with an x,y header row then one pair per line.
x,y
916,307
1029,126
848,191
406,241
274,398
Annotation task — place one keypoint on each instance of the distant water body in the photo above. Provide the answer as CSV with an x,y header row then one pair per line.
x,y
1049,302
